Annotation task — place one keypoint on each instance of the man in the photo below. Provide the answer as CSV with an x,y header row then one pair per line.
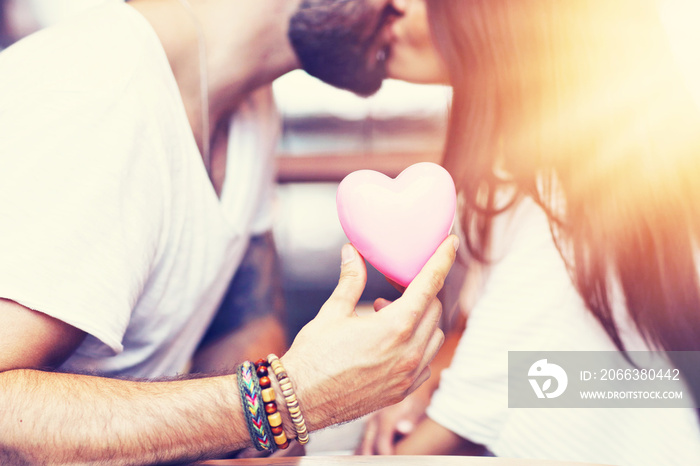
x,y
117,242
254,299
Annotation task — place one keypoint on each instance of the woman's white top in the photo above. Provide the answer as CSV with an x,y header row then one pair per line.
x,y
525,301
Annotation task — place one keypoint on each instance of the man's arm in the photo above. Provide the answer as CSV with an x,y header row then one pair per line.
x,y
342,365
53,417
30,339
362,363
65,418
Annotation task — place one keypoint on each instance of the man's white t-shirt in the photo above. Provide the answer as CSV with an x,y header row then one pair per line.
x,y
527,302
108,220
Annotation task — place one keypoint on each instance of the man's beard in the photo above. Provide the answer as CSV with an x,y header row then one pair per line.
x,y
332,40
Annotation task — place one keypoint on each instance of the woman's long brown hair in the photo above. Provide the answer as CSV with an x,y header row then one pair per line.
x,y
580,105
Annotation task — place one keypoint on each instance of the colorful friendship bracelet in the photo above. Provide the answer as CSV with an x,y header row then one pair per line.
x,y
268,395
290,398
251,399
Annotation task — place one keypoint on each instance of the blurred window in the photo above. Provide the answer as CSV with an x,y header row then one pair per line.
x,y
400,125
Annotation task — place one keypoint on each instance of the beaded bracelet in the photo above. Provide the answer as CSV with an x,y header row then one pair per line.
x,y
251,399
268,395
290,398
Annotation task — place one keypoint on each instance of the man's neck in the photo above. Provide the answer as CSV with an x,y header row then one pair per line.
x,y
246,47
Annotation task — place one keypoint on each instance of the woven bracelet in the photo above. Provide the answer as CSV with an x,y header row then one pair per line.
x,y
268,395
251,400
290,398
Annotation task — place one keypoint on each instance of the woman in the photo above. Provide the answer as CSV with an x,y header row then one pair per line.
x,y
574,142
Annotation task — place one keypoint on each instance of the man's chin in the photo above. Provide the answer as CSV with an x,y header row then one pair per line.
x,y
367,89
364,87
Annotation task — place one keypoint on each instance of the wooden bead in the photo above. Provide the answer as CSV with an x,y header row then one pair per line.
x,y
280,439
285,384
260,362
283,446
268,395
265,382
300,429
275,419
275,363
289,398
262,371
270,407
276,430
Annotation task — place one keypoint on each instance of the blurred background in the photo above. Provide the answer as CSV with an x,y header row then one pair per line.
x,y
326,134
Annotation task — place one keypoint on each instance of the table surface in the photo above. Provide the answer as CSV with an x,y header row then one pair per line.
x,y
390,461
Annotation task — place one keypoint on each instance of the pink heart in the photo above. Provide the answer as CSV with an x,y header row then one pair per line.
x,y
397,224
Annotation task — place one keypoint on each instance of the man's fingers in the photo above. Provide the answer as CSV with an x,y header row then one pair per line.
x,y
424,375
380,303
434,345
431,350
429,320
353,276
429,281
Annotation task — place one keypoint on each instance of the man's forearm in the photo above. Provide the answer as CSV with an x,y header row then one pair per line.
x,y
343,367
64,418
